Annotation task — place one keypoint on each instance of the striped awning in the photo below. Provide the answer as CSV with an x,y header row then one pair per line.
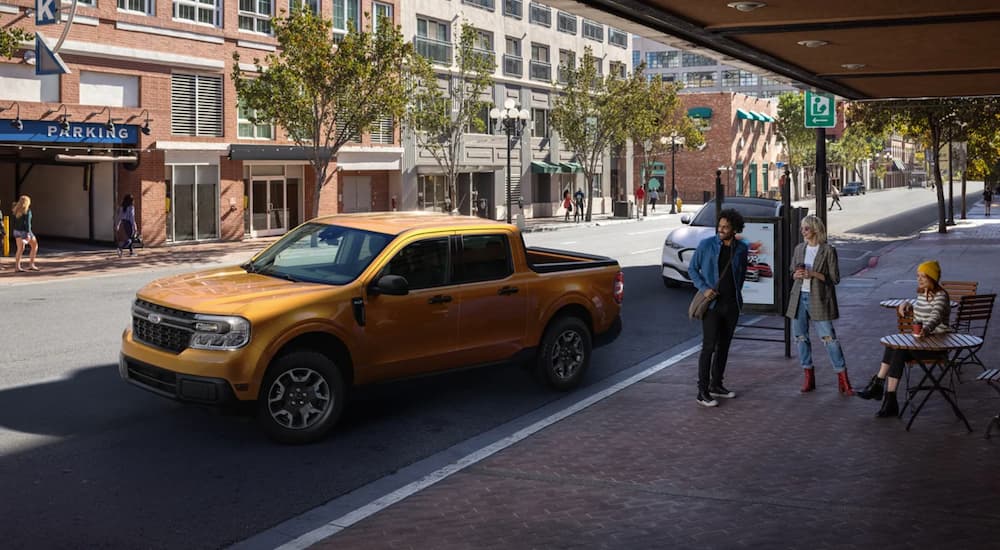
x,y
570,167
542,167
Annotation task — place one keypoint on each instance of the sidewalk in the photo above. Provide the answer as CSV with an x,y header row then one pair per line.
x,y
773,468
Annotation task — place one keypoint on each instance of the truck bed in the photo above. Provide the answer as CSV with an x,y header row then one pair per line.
x,y
549,260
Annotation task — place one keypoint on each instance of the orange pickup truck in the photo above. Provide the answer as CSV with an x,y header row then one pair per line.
x,y
354,299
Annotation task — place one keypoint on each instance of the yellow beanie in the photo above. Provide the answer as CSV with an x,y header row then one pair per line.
x,y
932,269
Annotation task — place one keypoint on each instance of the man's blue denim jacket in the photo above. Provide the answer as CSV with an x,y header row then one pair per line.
x,y
704,266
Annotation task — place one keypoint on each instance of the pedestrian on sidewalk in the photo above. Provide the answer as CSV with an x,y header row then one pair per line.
x,y
987,197
578,198
23,235
567,205
931,310
3,235
653,197
816,275
718,269
835,195
640,199
125,226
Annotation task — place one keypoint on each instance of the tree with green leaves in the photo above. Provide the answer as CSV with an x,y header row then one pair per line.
x,y
10,40
592,114
656,113
326,93
799,141
440,116
856,144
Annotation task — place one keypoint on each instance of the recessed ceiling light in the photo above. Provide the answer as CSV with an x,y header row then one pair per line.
x,y
746,6
813,43
853,66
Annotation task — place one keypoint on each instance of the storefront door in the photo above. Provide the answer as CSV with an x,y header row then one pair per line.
x,y
194,210
269,200
357,194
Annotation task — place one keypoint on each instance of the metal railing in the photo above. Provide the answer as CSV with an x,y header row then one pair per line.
x,y
540,70
513,65
437,51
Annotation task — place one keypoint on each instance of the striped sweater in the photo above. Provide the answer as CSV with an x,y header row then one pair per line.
x,y
934,313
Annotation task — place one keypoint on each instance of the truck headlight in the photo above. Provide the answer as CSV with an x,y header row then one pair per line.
x,y
671,244
220,332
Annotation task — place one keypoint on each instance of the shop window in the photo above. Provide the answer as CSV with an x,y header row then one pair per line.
x,y
196,105
598,186
432,192
255,15
203,12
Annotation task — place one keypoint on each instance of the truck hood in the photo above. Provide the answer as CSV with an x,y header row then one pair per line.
x,y
222,291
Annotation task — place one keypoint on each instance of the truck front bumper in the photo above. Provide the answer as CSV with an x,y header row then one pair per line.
x,y
182,387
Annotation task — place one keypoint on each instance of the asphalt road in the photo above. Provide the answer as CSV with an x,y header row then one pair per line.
x,y
89,461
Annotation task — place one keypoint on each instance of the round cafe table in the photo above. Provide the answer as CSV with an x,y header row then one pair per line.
x,y
893,303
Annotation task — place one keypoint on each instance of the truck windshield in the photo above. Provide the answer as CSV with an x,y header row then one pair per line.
x,y
320,253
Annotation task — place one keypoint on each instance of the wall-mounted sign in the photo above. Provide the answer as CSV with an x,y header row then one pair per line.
x,y
83,133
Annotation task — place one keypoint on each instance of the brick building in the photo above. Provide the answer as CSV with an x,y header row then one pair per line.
x,y
148,108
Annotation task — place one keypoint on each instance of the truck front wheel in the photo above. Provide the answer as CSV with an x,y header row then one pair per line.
x,y
301,398
565,353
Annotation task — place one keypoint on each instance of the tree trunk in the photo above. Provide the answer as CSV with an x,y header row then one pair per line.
x,y
590,194
320,174
964,180
936,144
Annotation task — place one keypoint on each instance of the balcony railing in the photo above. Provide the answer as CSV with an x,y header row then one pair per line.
x,y
540,70
488,55
563,74
437,51
513,65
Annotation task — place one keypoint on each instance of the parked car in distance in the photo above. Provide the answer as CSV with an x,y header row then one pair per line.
x,y
681,242
349,300
853,188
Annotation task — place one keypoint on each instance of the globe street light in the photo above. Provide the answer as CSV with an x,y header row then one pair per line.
x,y
674,141
513,121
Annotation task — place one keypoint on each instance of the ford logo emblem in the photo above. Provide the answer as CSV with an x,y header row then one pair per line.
x,y
154,318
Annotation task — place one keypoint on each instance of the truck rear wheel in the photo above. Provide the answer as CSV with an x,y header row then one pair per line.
x,y
565,353
301,398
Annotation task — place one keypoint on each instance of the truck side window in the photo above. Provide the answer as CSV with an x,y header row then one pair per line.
x,y
483,258
424,264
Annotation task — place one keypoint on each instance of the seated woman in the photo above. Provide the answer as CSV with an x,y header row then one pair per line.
x,y
932,310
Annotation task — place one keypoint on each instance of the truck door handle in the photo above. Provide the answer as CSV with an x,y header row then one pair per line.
x,y
439,299
507,290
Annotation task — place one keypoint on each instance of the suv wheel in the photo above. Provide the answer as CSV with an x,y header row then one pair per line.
x,y
301,398
564,355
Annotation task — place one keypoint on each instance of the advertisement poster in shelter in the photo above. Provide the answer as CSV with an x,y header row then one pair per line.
x,y
759,287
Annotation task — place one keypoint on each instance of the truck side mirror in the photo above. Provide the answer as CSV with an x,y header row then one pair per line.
x,y
392,285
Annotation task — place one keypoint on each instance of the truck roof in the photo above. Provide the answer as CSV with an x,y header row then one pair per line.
x,y
394,223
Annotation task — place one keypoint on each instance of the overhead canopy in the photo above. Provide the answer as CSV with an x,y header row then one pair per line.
x,y
542,167
700,112
858,49
272,152
571,167
899,165
745,115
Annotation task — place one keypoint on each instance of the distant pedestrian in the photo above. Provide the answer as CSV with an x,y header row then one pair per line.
x,y
816,273
640,200
987,198
125,226
578,199
835,195
567,205
653,197
3,235
23,235
718,269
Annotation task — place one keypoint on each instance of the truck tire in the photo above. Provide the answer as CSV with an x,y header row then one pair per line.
x,y
301,398
564,355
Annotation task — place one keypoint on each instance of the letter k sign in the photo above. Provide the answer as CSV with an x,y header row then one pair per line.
x,y
45,12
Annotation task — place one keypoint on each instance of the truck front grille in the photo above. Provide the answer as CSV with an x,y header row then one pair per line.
x,y
162,327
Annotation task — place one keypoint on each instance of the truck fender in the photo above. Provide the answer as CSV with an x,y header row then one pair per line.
x,y
314,334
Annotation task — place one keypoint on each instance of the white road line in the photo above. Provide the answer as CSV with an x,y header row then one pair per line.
x,y
646,250
645,232
375,506
567,242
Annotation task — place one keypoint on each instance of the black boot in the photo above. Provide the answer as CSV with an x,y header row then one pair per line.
x,y
874,389
890,407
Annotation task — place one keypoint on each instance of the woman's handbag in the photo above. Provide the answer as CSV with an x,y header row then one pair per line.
x,y
700,302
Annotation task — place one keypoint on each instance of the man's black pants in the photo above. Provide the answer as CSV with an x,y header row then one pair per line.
x,y
718,326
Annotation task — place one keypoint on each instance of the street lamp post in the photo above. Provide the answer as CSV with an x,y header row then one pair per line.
x,y
674,141
647,145
513,121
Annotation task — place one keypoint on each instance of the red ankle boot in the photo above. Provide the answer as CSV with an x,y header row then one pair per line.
x,y
844,384
809,384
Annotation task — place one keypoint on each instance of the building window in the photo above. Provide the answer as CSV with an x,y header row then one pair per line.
x,y
566,23
598,186
246,129
540,123
433,41
770,82
485,4
739,78
513,8
540,68
593,30
696,60
482,46
144,7
196,105
701,79
617,69
663,60
255,15
599,66
346,13
513,63
205,12
540,15
382,11
481,123
617,37
383,131
311,5
636,58
567,60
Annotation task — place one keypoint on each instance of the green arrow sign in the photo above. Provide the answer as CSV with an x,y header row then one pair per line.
x,y
821,110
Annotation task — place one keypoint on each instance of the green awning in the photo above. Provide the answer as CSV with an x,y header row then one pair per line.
x,y
700,112
766,117
570,167
740,113
757,116
542,167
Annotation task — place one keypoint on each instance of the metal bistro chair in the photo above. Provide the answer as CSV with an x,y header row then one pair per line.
x,y
957,289
974,312
905,325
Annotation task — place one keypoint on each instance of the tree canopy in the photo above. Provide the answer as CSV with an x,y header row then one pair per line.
x,y
10,40
799,141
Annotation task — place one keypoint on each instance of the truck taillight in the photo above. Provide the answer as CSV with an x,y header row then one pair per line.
x,y
619,290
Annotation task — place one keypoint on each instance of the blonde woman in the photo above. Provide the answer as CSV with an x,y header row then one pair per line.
x,y
816,273
22,233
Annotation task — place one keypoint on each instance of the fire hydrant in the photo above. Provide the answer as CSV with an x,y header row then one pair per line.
x,y
679,204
